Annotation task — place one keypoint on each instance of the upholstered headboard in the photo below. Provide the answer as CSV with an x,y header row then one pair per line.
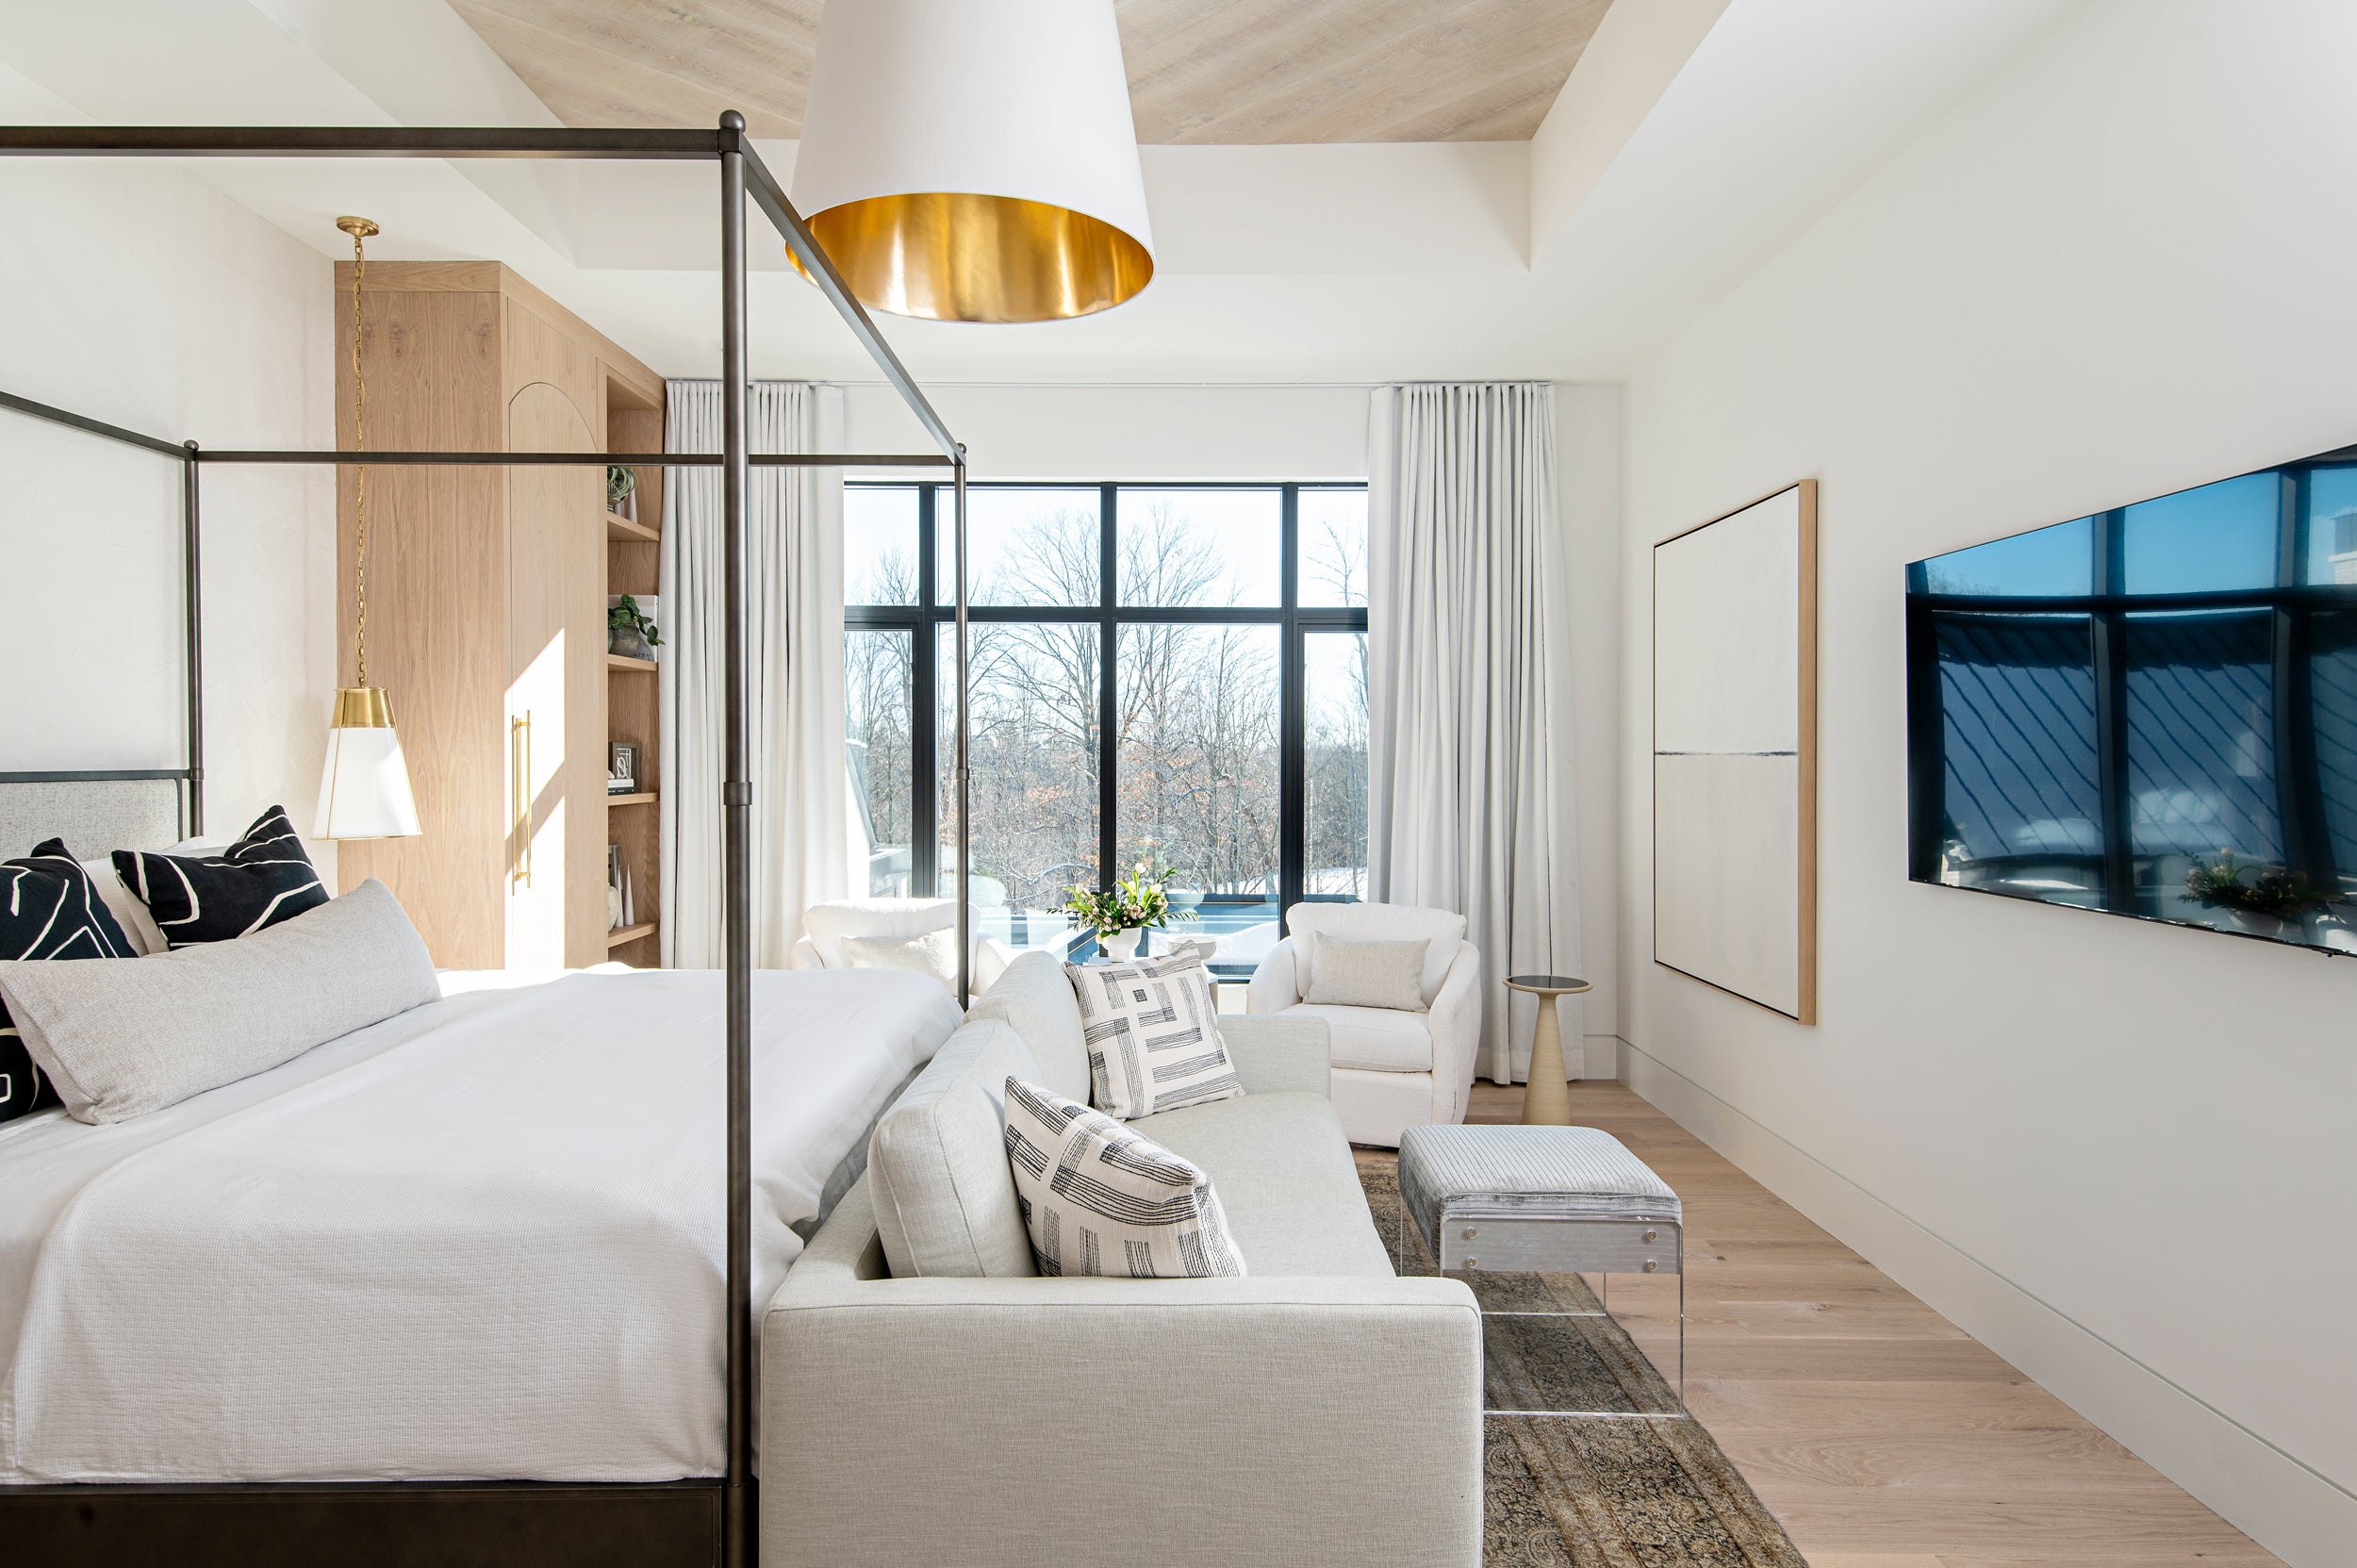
x,y
92,815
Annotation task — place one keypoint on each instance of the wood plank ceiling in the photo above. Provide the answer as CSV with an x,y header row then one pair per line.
x,y
1200,71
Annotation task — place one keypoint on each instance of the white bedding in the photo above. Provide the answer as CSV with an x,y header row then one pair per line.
x,y
484,1239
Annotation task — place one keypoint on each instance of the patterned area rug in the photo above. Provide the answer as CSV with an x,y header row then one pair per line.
x,y
1563,1492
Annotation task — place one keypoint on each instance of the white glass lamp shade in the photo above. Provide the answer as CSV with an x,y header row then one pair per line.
x,y
364,790
975,162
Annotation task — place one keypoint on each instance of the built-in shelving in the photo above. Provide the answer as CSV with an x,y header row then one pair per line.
x,y
633,703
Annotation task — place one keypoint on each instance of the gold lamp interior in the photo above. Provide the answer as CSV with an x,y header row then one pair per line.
x,y
953,256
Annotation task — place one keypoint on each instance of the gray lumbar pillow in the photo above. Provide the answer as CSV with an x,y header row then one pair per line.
x,y
122,1037
1347,973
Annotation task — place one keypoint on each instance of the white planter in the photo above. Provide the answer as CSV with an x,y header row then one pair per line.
x,y
1123,943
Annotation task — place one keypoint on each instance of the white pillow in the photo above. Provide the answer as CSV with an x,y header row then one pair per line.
x,y
124,905
121,1037
1097,1198
934,953
1153,1035
1347,973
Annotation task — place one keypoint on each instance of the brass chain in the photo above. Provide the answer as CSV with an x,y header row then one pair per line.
x,y
359,473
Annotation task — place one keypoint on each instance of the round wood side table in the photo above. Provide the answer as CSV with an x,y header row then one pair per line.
x,y
1547,1100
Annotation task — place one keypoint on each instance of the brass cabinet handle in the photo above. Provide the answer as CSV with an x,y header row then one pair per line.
x,y
519,759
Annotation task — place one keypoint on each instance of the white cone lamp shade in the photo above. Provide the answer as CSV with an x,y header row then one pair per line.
x,y
965,161
364,791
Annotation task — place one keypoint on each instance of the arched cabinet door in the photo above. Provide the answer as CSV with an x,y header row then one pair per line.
x,y
556,876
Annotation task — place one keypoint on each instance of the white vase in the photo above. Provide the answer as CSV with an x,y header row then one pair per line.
x,y
1122,944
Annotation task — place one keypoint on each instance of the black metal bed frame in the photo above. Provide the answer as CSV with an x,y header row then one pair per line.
x,y
398,1523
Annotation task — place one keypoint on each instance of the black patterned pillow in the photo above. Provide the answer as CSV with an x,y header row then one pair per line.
x,y
48,909
260,879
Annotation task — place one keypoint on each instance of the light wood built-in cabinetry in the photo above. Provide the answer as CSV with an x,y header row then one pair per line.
x,y
487,613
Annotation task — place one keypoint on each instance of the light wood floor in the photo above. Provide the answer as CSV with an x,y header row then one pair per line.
x,y
1881,1434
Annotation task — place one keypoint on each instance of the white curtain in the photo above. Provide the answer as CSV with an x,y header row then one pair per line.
x,y
1470,804
793,643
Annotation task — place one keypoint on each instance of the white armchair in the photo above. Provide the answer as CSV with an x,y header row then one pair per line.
x,y
1393,1070
825,926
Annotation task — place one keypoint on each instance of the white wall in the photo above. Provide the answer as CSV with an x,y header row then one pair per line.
x,y
137,295
1273,432
2118,1154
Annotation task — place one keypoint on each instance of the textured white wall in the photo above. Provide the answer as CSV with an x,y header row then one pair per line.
x,y
133,293
2118,1153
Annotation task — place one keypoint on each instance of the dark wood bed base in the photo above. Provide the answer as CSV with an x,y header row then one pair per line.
x,y
366,1525
511,1525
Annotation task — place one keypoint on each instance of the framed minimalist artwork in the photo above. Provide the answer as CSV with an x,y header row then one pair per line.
x,y
1735,752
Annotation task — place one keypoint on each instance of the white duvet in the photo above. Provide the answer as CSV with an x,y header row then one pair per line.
x,y
484,1239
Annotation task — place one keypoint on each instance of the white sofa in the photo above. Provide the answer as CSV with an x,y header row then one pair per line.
x,y
1318,1412
1393,1070
825,926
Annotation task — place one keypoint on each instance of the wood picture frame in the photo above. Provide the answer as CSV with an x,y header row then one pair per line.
x,y
1735,752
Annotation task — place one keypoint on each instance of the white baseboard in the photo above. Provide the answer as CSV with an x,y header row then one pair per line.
x,y
2283,1504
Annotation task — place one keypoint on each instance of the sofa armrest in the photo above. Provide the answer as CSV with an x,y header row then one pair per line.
x,y
926,1420
1272,986
1456,1021
1279,1055
805,955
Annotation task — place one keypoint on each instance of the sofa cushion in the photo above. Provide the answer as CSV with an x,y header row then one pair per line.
x,y
1264,1150
935,953
1034,1000
1379,923
1372,1038
899,920
937,1164
1100,1199
1286,1178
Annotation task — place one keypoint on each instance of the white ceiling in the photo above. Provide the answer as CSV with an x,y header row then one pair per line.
x,y
1689,165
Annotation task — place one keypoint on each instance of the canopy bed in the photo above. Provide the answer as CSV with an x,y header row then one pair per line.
x,y
371,1242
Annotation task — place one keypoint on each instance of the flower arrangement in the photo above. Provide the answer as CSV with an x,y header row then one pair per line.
x,y
1138,901
2284,894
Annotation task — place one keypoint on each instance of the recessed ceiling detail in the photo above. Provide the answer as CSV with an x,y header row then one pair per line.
x,y
1200,71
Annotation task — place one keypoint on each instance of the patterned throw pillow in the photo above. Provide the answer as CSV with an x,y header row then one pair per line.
x,y
1097,1198
1153,1035
48,909
260,879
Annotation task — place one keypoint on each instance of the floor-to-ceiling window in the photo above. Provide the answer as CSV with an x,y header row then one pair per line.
x,y
1168,674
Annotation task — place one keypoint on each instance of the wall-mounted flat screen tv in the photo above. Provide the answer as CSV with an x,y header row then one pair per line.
x,y
2152,711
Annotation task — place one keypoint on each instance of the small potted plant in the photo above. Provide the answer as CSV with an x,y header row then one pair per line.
x,y
2269,904
629,632
1123,912
622,491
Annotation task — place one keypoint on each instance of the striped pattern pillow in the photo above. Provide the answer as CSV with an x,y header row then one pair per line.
x,y
1153,1035
1100,1199
260,879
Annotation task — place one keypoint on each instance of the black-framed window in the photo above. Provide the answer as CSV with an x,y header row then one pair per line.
x,y
1165,673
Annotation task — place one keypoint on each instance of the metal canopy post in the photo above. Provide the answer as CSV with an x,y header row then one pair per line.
x,y
742,175
192,565
963,770
737,796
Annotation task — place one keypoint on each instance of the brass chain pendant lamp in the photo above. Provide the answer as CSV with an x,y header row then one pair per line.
x,y
364,791
965,162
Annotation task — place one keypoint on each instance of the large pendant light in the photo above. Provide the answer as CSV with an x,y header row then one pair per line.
x,y
364,791
965,161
